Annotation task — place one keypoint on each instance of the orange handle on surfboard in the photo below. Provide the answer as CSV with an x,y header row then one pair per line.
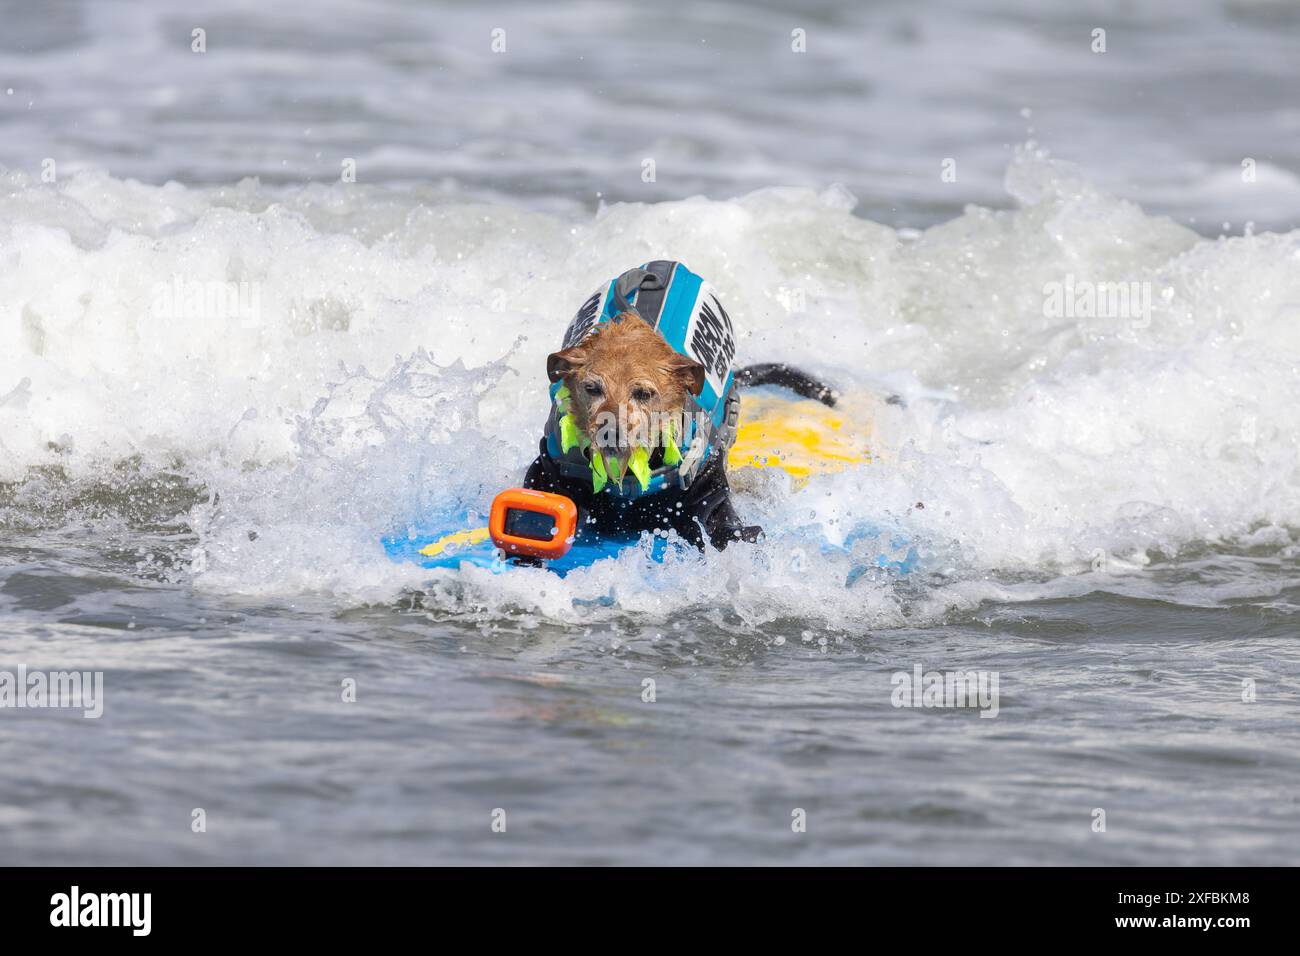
x,y
537,524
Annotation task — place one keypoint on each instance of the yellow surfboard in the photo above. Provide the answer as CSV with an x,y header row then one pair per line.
x,y
798,435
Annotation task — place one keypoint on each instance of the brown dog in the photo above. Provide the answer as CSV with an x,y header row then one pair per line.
x,y
627,384
646,383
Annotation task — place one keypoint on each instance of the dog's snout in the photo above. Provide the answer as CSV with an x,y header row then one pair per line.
x,y
616,428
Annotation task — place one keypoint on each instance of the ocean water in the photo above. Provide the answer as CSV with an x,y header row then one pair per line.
x,y
225,373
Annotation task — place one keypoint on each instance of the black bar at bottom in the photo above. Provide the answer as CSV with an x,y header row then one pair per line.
x,y
333,906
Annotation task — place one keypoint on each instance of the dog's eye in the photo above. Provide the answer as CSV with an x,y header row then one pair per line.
x,y
642,394
594,388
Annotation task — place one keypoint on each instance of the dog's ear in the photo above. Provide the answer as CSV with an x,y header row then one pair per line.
x,y
688,372
566,362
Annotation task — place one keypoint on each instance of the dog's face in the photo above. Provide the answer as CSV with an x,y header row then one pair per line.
x,y
625,382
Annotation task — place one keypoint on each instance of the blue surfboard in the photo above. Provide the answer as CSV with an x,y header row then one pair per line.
x,y
457,547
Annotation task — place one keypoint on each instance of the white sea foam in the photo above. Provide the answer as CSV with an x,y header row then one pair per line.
x,y
393,373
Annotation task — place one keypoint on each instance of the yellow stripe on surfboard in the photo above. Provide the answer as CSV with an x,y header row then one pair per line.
x,y
457,539
800,436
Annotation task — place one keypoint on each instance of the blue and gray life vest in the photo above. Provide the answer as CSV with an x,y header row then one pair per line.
x,y
686,311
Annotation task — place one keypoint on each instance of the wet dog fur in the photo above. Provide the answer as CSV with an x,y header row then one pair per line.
x,y
625,373
625,381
